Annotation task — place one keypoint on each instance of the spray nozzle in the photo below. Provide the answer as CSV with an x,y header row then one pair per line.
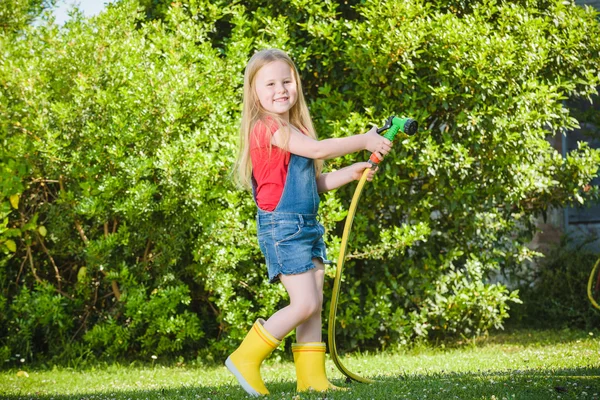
x,y
393,125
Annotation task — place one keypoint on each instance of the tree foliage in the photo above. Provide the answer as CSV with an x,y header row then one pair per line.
x,y
17,14
122,233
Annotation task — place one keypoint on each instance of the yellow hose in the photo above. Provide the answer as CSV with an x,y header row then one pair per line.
x,y
337,281
338,278
589,287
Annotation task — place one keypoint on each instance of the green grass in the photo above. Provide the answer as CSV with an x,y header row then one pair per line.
x,y
517,365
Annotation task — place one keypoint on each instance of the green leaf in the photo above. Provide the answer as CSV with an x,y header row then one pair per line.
x,y
81,274
11,245
42,230
14,201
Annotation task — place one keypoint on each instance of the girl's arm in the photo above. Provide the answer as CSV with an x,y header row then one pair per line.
x,y
335,179
306,146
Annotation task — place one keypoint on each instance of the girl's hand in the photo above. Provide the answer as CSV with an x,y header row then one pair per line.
x,y
377,144
358,169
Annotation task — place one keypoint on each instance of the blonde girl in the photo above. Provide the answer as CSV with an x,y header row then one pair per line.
x,y
280,160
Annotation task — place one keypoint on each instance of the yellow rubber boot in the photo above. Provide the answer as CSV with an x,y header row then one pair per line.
x,y
309,358
245,362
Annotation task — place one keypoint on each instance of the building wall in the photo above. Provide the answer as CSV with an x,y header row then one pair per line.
x,y
593,3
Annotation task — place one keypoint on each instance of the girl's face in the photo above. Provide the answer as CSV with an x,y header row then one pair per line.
x,y
275,87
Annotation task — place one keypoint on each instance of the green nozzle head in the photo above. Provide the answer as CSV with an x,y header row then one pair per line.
x,y
407,126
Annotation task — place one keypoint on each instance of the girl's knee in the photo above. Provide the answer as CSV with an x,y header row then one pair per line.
x,y
308,308
317,306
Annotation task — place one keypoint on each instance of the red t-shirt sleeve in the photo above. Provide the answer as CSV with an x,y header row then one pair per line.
x,y
269,165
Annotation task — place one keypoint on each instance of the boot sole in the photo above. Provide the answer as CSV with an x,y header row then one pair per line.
x,y
245,385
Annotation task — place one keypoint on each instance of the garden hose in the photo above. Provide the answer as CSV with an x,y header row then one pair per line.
x,y
393,125
590,284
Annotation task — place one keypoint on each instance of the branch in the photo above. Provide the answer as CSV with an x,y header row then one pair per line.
x,y
35,275
81,232
44,180
146,252
113,283
61,184
58,277
87,314
18,126
244,284
115,287
20,270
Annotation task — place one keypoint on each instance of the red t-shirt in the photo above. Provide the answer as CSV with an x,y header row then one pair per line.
x,y
269,170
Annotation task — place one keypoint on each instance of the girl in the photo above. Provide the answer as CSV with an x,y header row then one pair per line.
x,y
280,159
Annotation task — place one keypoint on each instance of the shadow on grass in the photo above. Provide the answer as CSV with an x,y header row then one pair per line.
x,y
533,384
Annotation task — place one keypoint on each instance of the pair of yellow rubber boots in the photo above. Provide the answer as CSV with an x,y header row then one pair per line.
x,y
244,363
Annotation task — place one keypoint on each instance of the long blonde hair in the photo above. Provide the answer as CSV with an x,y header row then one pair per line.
x,y
252,112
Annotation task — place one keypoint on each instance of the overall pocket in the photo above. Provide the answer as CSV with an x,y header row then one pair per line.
x,y
285,231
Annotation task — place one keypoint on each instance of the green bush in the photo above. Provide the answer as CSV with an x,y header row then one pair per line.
x,y
554,292
39,321
120,225
15,15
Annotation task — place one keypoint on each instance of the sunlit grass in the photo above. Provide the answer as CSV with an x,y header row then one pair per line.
x,y
519,365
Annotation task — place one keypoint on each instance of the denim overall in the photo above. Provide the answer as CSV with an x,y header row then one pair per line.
x,y
291,236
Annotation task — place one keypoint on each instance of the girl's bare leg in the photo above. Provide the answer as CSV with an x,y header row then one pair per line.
x,y
306,299
311,329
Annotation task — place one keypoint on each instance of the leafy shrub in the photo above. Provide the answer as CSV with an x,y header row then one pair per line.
x,y
40,321
16,14
554,292
154,324
119,136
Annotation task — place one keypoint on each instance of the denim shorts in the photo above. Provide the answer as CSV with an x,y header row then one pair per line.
x,y
289,242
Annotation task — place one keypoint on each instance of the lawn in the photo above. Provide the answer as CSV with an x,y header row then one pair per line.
x,y
516,365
